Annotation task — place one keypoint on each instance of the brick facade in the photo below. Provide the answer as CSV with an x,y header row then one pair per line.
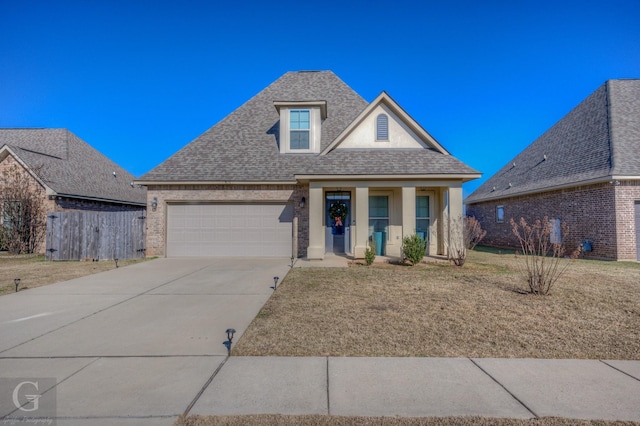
x,y
627,195
602,213
167,194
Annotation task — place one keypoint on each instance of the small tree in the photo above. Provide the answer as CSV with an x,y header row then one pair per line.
x,y
473,232
413,248
23,212
457,248
543,253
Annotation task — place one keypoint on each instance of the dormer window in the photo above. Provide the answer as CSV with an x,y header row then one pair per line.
x,y
299,128
382,127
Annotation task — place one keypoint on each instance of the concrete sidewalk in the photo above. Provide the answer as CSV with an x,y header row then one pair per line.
x,y
425,387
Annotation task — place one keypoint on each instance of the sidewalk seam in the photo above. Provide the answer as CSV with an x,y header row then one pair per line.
x,y
617,369
57,384
328,396
204,387
505,388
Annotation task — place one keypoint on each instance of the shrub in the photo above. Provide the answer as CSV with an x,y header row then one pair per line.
x,y
543,254
457,249
413,248
473,232
370,253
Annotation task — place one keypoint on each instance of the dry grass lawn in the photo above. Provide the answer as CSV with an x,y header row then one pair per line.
x,y
439,310
35,271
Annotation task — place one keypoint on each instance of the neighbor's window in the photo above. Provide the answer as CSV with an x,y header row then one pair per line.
x,y
382,127
555,237
500,214
299,129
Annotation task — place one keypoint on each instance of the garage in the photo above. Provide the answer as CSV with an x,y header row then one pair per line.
x,y
243,229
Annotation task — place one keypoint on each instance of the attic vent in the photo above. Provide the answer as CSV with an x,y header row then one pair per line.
x,y
382,127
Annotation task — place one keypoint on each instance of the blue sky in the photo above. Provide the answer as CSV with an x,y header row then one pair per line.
x,y
140,79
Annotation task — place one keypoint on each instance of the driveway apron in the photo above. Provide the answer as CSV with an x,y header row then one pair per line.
x,y
133,345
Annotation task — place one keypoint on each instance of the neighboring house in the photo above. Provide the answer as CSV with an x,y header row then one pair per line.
x,y
69,174
303,168
584,172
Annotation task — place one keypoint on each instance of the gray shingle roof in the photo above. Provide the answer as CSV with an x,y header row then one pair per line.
x,y
243,146
70,167
598,139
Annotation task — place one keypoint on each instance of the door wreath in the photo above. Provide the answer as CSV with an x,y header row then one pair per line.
x,y
338,210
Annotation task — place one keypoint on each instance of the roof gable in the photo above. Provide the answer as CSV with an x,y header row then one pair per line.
x,y
404,131
68,166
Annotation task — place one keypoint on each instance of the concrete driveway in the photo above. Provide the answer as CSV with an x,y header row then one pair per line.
x,y
130,346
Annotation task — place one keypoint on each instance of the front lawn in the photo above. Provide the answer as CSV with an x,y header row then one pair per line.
x,y
439,310
35,271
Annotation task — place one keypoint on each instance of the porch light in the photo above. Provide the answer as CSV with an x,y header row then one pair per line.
x,y
16,281
154,203
275,283
302,201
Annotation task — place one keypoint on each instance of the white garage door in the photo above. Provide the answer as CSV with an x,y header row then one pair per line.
x,y
229,230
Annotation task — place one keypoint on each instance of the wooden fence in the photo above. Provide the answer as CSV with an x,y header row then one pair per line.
x,y
96,235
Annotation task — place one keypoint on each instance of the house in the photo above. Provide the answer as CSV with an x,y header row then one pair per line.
x,y
68,174
584,172
305,167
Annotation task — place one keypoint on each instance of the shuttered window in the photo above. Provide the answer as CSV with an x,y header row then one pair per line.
x,y
382,127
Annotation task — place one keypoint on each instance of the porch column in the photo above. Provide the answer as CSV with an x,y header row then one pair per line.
x,y
408,211
362,221
316,229
443,220
455,217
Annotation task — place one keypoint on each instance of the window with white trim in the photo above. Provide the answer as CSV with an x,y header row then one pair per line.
x,y
382,127
423,217
299,129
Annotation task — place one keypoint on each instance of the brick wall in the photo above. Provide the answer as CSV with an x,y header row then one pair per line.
x,y
627,193
588,211
10,165
157,220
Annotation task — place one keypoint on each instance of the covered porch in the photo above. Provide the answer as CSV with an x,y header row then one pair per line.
x,y
347,216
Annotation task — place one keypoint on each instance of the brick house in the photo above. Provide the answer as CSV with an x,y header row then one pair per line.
x,y
304,168
584,171
68,173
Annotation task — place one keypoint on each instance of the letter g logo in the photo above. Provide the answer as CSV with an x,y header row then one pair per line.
x,y
31,398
